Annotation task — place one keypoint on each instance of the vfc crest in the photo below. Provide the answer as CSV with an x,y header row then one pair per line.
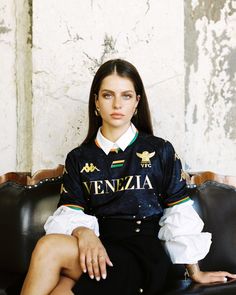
x,y
145,156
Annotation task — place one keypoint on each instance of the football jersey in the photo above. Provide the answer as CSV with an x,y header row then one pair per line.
x,y
138,182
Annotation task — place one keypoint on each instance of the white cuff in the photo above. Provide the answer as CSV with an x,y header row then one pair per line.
x,y
65,220
180,230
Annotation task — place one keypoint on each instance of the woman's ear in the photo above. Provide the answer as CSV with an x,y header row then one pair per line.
x,y
96,100
138,99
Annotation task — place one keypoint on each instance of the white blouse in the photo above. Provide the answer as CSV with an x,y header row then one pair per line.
x,y
181,230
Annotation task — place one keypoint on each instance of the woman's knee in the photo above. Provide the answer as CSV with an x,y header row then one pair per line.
x,y
51,246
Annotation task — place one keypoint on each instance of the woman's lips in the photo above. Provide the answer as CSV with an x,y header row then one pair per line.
x,y
117,115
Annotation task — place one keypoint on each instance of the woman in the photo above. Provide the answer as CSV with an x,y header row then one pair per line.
x,y
122,189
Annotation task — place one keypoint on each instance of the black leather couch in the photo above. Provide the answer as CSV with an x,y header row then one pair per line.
x,y
25,208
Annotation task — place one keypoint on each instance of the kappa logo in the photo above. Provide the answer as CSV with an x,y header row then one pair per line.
x,y
146,156
89,168
63,190
177,157
183,175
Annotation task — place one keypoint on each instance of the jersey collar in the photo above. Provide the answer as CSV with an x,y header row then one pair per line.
x,y
122,143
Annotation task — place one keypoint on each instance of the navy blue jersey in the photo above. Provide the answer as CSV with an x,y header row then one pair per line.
x,y
136,183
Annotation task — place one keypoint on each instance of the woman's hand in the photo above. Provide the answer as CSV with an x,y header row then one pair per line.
x,y
212,277
93,255
207,277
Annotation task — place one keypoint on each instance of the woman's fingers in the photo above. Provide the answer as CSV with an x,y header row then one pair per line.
x,y
102,265
93,255
220,276
89,264
218,279
82,261
95,264
213,277
99,265
230,275
108,261
96,269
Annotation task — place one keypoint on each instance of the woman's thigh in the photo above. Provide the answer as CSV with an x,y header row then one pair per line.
x,y
61,250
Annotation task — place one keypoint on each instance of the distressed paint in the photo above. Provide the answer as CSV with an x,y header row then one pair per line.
x,y
187,62
15,85
71,41
24,84
7,87
3,28
210,44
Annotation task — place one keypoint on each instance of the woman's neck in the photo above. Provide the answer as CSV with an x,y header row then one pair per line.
x,y
113,133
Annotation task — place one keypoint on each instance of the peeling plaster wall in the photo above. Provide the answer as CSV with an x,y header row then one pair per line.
x,y
210,81
15,85
184,50
7,87
24,84
72,39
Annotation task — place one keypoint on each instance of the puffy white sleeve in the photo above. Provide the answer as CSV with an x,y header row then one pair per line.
x,y
65,220
181,231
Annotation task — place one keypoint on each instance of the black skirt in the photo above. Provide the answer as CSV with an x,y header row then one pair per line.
x,y
140,262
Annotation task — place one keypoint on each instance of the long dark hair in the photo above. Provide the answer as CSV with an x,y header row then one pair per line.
x,y
142,120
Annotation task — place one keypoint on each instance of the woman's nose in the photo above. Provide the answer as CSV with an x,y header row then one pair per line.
x,y
117,102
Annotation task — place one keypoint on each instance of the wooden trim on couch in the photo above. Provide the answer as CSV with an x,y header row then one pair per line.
x,y
25,178
45,174
19,177
201,177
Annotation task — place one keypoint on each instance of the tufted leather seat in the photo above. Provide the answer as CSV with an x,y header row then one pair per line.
x,y
25,208
216,204
23,211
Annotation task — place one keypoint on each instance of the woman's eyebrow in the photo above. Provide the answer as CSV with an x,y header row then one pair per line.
x,y
107,90
124,91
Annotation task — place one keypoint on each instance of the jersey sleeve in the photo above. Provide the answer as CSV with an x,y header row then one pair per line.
x,y
72,194
174,181
72,206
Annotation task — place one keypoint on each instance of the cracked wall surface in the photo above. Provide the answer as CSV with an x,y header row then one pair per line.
x,y
210,80
24,84
185,52
71,41
15,85
7,87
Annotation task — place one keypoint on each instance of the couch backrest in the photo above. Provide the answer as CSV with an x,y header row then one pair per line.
x,y
218,211
23,211
216,204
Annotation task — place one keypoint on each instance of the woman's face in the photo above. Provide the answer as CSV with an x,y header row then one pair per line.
x,y
117,101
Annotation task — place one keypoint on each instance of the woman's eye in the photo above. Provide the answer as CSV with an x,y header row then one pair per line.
x,y
127,96
107,96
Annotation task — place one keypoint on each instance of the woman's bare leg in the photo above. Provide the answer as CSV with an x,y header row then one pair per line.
x,y
64,286
54,254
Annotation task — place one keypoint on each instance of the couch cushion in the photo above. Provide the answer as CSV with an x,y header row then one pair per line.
x,y
10,283
218,205
23,211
